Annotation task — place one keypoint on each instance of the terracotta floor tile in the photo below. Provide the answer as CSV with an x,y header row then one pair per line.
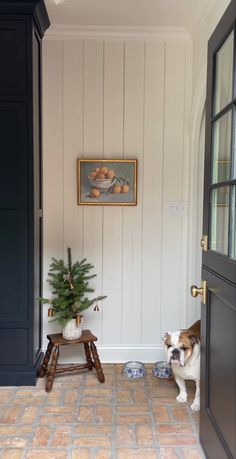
x,y
191,453
16,442
161,413
71,396
84,419
103,454
124,436
29,415
46,454
174,429
148,453
175,439
12,453
132,409
99,440
81,453
41,436
62,437
10,415
168,453
144,435
5,396
15,430
95,400
123,396
180,412
133,419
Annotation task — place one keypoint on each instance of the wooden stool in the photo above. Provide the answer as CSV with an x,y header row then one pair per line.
x,y
55,341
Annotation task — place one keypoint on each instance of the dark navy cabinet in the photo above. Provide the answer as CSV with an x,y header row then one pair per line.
x,y
22,26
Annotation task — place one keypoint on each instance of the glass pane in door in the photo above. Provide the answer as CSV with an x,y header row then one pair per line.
x,y
221,148
233,223
234,146
224,74
219,220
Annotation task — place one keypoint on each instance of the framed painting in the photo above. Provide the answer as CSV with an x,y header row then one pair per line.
x,y
107,182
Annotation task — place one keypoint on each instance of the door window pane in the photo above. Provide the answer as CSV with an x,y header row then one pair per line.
x,y
219,219
224,74
233,223
234,146
221,148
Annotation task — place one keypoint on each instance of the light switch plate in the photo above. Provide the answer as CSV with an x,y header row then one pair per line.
x,y
177,208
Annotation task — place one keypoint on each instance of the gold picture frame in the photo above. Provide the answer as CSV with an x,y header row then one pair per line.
x,y
107,182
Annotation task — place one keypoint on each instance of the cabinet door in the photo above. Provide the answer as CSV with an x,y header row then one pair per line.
x,y
13,212
13,58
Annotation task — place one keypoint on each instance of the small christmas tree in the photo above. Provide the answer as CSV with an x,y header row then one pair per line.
x,y
70,285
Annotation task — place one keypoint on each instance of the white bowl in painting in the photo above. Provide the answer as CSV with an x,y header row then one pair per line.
x,y
134,369
101,184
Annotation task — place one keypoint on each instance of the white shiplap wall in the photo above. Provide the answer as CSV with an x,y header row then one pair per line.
x,y
120,99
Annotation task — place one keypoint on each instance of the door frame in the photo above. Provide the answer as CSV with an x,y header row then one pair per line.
x,y
196,163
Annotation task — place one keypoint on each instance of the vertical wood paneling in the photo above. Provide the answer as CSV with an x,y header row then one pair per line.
x,y
113,99
72,143
93,148
132,216
172,185
152,191
53,218
112,216
185,288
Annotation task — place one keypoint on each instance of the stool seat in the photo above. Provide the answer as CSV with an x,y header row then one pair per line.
x,y
49,365
58,340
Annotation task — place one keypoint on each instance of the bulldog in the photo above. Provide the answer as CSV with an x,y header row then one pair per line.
x,y
183,354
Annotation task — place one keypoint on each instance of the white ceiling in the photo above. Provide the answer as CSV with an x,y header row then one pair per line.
x,y
128,13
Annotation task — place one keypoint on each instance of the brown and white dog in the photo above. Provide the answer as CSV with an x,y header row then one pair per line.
x,y
183,354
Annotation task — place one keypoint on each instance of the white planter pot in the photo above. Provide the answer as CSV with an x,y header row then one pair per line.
x,y
71,330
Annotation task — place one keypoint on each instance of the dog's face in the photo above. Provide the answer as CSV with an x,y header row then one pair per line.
x,y
179,346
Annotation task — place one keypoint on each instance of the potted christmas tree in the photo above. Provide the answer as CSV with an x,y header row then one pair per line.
x,y
70,284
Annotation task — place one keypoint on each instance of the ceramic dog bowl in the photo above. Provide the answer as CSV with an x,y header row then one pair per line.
x,y
162,370
134,369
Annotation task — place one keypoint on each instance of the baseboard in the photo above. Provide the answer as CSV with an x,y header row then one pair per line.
x,y
113,354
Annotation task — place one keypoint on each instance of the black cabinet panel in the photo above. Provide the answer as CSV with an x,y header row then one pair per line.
x,y
13,268
13,212
22,25
13,54
13,157
13,346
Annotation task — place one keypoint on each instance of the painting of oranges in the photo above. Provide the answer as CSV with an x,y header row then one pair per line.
x,y
107,182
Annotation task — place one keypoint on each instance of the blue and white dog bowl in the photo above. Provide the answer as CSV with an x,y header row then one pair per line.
x,y
162,370
134,369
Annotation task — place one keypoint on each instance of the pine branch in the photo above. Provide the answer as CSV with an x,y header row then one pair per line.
x,y
67,302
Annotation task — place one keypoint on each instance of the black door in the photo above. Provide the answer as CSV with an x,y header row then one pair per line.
x,y
218,314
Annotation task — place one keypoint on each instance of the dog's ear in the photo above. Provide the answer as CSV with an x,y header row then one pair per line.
x,y
164,336
194,339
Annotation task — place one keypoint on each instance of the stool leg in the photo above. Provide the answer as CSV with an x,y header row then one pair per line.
x,y
97,363
52,369
88,356
46,359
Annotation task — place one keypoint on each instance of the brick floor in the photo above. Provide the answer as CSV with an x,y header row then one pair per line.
x,y
84,419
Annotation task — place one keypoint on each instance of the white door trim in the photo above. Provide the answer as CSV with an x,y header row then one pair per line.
x,y
196,171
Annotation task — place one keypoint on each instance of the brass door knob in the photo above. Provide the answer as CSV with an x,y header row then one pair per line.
x,y
195,291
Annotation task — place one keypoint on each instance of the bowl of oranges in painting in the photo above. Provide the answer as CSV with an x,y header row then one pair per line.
x,y
104,180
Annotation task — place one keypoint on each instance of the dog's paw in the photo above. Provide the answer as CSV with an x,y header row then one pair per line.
x,y
195,406
182,398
